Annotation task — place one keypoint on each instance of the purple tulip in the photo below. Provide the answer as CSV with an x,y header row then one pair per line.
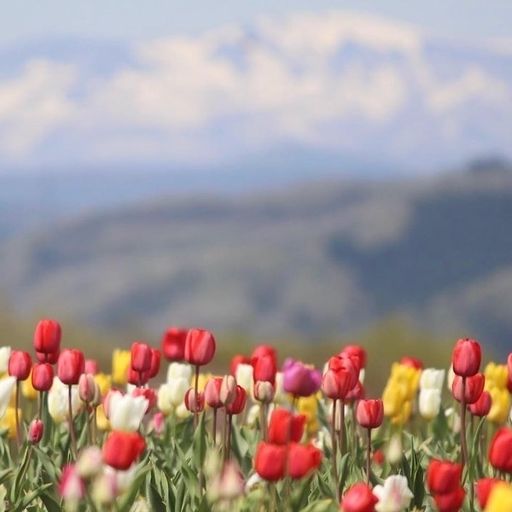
x,y
300,379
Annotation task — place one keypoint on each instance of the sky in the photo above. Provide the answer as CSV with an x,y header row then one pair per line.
x,y
355,85
133,19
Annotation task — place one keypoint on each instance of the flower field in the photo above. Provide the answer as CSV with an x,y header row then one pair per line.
x,y
159,432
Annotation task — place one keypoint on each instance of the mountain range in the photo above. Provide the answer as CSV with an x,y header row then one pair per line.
x,y
306,260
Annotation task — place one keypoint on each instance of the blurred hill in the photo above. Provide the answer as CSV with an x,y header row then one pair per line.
x,y
312,261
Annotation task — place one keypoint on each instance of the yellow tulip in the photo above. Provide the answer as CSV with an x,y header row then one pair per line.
x,y
101,419
120,365
393,397
496,376
308,406
8,422
28,390
403,415
104,382
203,379
500,499
500,405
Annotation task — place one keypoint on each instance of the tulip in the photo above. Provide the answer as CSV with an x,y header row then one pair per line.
x,y
412,362
70,366
394,495
104,382
5,355
51,358
500,450
395,449
337,384
238,404
358,352
482,406
154,367
429,403
136,378
443,477
285,427
89,462
451,501
496,375
212,392
500,499
236,360
91,366
228,390
431,378
122,449
20,365
126,412
105,489
270,461
8,422
230,483
264,392
173,344
87,388
199,347
359,498
71,487
35,431
121,360
466,357
194,401
47,337
58,401
42,376
264,350
179,371
469,391
500,405
244,376
302,460
300,379
140,363
264,368
483,488
171,395
7,385
370,413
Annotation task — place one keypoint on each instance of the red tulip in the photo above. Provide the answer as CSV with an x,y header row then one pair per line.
x,y
356,351
302,460
451,501
466,357
359,498
500,450
122,449
473,388
154,366
443,476
212,392
264,350
149,394
51,357
336,385
199,347
482,406
238,359
20,364
173,344
87,388
285,427
483,490
35,431
238,404
194,402
47,336
348,366
137,378
140,357
356,393
370,413
413,362
270,461
264,368
42,376
91,366
70,366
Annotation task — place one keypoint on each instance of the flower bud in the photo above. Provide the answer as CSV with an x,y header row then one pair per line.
x,y
35,431
466,357
87,388
429,403
212,392
238,404
71,486
154,367
20,364
228,390
70,366
370,413
244,376
264,391
194,402
140,356
199,347
470,391
359,498
482,406
173,344
47,337
91,366
42,376
122,449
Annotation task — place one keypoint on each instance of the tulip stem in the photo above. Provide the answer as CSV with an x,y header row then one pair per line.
x,y
263,421
369,456
229,427
214,426
71,425
464,451
17,407
196,389
334,451
342,428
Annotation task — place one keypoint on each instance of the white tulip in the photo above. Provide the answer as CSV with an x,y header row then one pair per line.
x,y
450,378
243,375
429,403
453,419
280,395
172,394
362,374
126,411
394,451
58,401
5,354
253,415
179,371
431,378
6,388
182,412
394,495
